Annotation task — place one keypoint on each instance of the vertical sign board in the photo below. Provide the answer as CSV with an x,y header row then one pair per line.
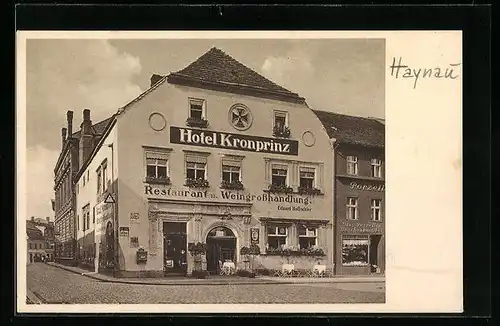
x,y
153,230
254,236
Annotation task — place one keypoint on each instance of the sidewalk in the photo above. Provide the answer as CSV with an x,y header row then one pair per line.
x,y
219,280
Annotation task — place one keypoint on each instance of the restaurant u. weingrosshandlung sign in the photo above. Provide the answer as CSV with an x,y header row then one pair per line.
x,y
217,139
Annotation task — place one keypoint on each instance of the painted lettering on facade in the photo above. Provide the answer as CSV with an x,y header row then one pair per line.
x,y
239,142
357,186
227,195
355,227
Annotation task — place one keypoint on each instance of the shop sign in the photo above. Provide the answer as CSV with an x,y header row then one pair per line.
x,y
103,213
124,231
254,235
357,186
217,139
355,227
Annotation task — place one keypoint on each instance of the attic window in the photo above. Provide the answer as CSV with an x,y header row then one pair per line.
x,y
196,108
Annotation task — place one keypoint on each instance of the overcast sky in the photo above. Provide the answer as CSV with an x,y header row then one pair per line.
x,y
344,76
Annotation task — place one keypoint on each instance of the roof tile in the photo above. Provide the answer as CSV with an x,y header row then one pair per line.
x,y
215,66
353,130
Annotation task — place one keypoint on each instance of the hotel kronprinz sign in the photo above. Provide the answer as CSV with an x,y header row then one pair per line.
x,y
204,138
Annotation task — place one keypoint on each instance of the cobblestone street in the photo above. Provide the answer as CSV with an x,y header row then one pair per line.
x,y
54,285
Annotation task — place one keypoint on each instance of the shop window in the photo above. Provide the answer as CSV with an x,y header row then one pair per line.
x,y
352,208
376,209
354,251
307,236
352,165
376,168
277,236
279,176
307,176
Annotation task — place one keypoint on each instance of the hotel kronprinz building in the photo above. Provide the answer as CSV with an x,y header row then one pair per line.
x,y
215,154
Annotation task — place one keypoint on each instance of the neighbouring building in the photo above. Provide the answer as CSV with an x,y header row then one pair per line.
x,y
76,146
40,239
214,153
359,178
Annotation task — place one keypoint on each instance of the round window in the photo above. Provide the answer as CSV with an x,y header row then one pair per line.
x,y
240,117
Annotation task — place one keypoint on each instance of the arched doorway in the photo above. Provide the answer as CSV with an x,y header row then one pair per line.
x,y
221,247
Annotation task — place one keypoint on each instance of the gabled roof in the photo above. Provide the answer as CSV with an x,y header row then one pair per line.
x,y
216,67
353,130
33,232
97,128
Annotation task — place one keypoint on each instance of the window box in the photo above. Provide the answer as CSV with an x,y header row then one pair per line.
x,y
280,189
281,131
309,191
197,183
310,252
153,180
234,185
197,122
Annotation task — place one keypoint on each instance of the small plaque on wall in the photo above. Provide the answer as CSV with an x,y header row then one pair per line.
x,y
134,217
134,242
124,231
254,235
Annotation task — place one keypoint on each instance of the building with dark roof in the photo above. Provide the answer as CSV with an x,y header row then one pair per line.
x,y
359,192
40,239
75,149
214,153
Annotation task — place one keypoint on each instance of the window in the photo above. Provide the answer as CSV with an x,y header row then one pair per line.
x,y
88,175
195,170
307,177
279,175
99,180
88,220
352,165
77,224
196,108
280,119
376,209
104,177
354,251
277,236
307,236
156,168
230,174
352,208
376,168
93,215
83,180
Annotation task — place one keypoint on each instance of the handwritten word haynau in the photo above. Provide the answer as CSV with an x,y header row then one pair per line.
x,y
400,70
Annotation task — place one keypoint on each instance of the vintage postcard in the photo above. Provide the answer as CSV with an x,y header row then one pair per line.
x,y
239,171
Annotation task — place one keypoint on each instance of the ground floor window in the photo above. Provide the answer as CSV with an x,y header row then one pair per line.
x,y
276,236
355,250
307,236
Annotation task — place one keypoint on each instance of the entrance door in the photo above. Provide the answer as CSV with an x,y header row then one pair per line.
x,y
221,247
174,244
374,244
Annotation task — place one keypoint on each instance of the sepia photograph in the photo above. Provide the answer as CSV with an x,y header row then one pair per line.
x,y
242,172
205,171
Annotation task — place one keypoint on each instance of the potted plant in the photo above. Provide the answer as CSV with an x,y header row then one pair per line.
x,y
197,183
197,250
162,180
281,131
197,122
280,188
312,191
234,185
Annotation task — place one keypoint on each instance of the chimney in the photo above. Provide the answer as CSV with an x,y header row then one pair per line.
x,y
48,218
69,116
86,138
155,78
63,136
32,219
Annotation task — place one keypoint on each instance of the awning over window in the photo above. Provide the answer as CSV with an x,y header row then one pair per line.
x,y
156,156
190,158
353,242
229,162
